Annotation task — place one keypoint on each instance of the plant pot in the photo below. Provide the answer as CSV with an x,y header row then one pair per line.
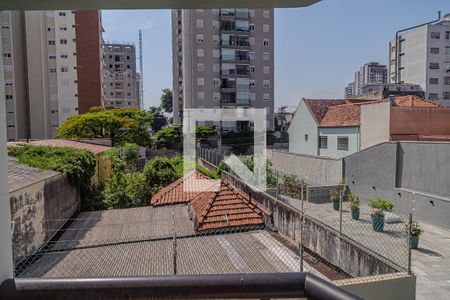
x,y
355,213
378,223
414,241
335,205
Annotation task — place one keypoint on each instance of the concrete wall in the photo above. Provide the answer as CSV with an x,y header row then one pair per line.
x,y
407,121
39,210
317,237
313,169
411,174
303,124
352,133
374,124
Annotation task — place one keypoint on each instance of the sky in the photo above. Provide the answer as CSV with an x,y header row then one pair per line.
x,y
317,48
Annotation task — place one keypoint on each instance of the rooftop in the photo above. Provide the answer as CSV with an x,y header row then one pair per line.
x,y
20,176
96,149
413,101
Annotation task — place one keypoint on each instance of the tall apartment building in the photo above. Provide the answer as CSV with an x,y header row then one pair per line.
x,y
423,58
369,73
40,63
349,90
91,84
223,58
122,82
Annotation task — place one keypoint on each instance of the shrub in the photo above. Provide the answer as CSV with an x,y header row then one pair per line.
x,y
130,152
380,205
292,187
126,190
335,195
79,165
208,173
354,200
415,229
159,172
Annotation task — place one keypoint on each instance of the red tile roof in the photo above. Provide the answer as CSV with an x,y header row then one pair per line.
x,y
226,208
96,149
413,101
342,115
183,189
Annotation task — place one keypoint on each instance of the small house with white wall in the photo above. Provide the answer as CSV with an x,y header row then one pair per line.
x,y
337,128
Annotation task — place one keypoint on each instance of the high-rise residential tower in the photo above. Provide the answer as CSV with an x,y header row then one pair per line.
x,y
223,58
422,56
40,64
122,82
369,73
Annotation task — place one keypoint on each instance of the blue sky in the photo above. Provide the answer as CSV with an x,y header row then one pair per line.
x,y
317,49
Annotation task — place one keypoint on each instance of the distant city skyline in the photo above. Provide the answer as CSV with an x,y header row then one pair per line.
x,y
317,49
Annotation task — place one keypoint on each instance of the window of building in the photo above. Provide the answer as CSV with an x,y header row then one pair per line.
x,y
216,82
216,96
342,143
64,82
63,27
266,28
446,95
11,125
266,14
51,42
66,97
62,14
447,51
52,56
64,69
306,137
8,82
447,35
200,96
5,26
266,42
252,96
200,38
53,111
266,70
200,67
252,55
266,97
434,66
434,50
434,81
252,41
9,97
199,23
323,142
435,35
433,96
200,81
216,53
447,80
50,28
216,68
251,27
266,55
215,24
215,11
52,70
66,110
252,83
216,39
8,68
63,41
200,52
251,13
6,54
252,69
266,83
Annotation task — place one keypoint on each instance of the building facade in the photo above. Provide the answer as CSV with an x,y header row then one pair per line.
x,y
89,29
223,58
369,73
122,84
423,58
41,68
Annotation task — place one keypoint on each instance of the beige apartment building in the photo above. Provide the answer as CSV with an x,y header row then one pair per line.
x,y
122,80
223,58
39,57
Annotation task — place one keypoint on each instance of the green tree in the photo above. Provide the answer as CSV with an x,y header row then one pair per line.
x,y
158,173
169,138
167,100
159,120
120,125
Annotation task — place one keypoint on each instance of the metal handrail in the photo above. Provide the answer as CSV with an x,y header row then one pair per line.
x,y
224,286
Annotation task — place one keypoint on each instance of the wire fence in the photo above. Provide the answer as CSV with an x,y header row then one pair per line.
x,y
383,231
150,241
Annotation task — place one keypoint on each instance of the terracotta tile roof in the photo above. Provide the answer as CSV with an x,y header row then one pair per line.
x,y
319,107
96,149
346,114
413,101
226,208
183,189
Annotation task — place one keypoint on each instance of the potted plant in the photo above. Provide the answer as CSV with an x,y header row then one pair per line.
x,y
414,232
379,206
335,197
354,205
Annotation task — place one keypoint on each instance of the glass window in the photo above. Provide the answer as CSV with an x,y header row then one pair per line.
x,y
435,35
434,80
266,83
216,96
266,14
446,95
200,52
433,96
200,96
266,70
200,81
216,68
216,39
266,42
266,28
199,23
447,35
228,54
266,56
306,137
63,41
434,50
200,38
434,66
252,96
323,142
266,97
200,67
447,80
216,53
447,50
342,143
242,25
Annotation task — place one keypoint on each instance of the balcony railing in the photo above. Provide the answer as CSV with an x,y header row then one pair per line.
x,y
223,286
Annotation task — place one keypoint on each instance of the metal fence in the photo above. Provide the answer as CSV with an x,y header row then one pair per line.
x,y
212,155
383,232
